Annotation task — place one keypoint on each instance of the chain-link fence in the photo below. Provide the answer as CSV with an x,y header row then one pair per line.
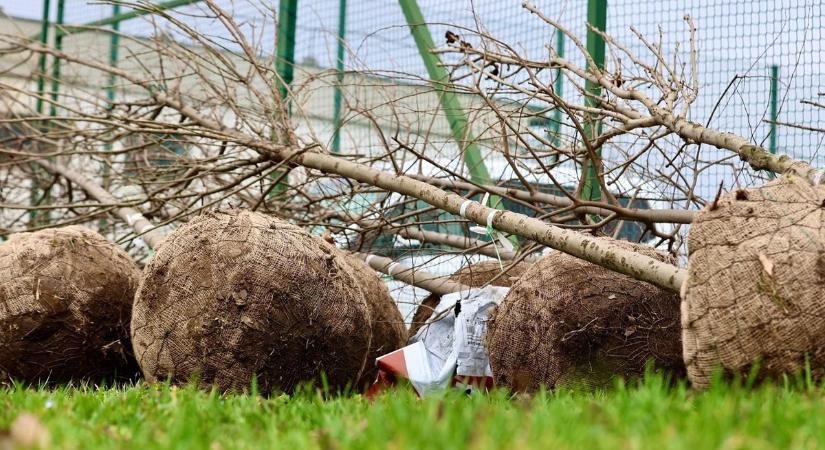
x,y
740,44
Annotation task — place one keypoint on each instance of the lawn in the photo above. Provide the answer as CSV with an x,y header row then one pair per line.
x,y
646,415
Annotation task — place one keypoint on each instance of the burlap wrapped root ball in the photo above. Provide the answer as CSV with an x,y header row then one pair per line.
x,y
756,279
389,332
474,275
237,295
65,302
568,322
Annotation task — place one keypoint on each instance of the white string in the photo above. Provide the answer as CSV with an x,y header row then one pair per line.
x,y
817,178
485,198
463,209
490,218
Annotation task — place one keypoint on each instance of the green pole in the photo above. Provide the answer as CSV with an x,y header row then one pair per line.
x,y
449,100
774,112
285,46
596,18
41,63
36,196
285,69
117,18
88,26
58,45
114,46
339,67
450,104
558,86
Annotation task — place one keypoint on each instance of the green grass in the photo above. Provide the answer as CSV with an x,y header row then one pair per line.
x,y
649,415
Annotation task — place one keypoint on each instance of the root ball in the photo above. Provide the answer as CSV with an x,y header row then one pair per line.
x,y
570,322
65,302
237,295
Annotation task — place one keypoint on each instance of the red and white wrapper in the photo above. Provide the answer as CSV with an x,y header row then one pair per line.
x,y
449,350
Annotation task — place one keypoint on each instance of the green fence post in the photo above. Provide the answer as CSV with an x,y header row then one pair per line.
x,y
449,100
285,51
89,26
450,104
774,112
558,87
35,196
114,47
58,45
596,18
339,68
41,63
163,6
285,69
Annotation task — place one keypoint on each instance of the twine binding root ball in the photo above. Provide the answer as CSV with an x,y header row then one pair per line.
x,y
570,322
65,302
237,295
756,277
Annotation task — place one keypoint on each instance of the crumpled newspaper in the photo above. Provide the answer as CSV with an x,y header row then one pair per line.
x,y
450,349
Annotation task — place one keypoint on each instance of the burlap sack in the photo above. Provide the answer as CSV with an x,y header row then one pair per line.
x,y
756,274
388,330
235,295
65,303
570,322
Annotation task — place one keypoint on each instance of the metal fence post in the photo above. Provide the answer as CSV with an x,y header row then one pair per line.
x,y
339,68
41,63
58,45
36,196
114,44
450,104
449,100
285,45
150,9
558,88
285,70
774,112
596,18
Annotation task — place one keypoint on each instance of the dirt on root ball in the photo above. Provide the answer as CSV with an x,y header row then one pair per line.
x,y
389,332
65,303
237,295
568,322
756,278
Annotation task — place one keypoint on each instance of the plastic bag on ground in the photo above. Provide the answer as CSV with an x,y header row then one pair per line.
x,y
449,350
